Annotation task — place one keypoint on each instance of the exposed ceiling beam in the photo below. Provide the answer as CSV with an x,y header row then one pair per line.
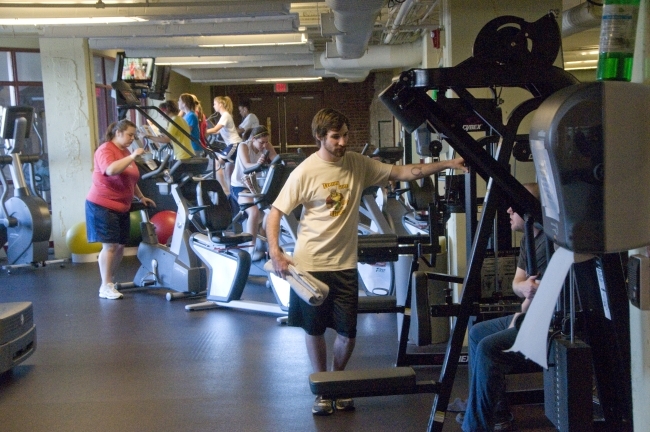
x,y
154,11
228,52
174,42
237,62
247,74
284,24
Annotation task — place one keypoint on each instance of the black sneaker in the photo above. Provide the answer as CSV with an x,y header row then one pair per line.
x,y
344,404
322,407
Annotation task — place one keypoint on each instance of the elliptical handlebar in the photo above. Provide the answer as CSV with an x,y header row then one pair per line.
x,y
276,160
158,171
260,166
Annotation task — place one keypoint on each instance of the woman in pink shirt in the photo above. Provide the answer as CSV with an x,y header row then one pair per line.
x,y
115,178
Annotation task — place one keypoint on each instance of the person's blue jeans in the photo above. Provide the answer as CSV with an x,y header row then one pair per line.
x,y
488,365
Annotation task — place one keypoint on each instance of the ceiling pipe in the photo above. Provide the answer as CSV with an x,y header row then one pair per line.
x,y
583,17
376,57
356,21
349,76
404,9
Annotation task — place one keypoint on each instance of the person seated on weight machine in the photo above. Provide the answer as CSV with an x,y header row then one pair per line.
x,y
329,185
114,186
487,408
257,150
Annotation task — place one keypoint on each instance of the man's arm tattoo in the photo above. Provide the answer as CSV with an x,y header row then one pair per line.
x,y
416,170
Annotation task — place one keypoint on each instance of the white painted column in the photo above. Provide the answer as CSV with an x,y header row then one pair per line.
x,y
640,320
71,121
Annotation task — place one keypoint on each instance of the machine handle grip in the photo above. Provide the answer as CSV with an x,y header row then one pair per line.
x,y
259,166
30,158
158,171
529,239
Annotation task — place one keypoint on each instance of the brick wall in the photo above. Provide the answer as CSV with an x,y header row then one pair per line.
x,y
352,99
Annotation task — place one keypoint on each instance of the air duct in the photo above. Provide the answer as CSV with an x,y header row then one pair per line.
x,y
583,17
376,57
355,19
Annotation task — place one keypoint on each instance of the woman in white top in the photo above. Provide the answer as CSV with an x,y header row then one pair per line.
x,y
226,128
250,153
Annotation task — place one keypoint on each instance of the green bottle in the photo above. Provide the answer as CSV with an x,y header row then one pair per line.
x,y
617,34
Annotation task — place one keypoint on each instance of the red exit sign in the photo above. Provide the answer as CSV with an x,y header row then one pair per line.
x,y
281,87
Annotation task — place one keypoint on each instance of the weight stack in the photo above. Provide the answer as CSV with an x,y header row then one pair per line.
x,y
568,386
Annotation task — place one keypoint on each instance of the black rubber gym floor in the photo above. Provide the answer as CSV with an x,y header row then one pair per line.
x,y
145,364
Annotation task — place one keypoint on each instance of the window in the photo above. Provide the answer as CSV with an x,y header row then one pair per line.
x,y
106,107
21,83
5,66
28,66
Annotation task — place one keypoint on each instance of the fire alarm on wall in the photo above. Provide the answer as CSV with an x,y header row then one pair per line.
x,y
435,38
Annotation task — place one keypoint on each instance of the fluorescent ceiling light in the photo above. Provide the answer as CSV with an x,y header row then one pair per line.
x,y
187,63
252,44
259,40
580,62
265,80
580,68
68,21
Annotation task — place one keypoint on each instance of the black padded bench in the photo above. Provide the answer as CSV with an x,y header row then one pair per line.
x,y
369,382
379,304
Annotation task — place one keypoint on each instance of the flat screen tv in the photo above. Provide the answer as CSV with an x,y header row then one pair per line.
x,y
137,69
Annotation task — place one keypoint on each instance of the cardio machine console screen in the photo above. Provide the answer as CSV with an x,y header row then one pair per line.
x,y
8,120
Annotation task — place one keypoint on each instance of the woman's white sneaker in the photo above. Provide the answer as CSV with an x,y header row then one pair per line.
x,y
108,291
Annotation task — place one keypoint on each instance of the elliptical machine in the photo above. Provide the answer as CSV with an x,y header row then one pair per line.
x,y
176,266
227,265
25,217
384,210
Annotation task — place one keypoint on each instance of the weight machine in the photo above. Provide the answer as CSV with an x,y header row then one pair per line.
x,y
502,58
508,52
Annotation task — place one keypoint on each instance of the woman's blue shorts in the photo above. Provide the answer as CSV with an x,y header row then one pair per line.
x,y
106,226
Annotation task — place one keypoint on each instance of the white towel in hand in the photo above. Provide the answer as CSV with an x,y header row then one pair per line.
x,y
307,287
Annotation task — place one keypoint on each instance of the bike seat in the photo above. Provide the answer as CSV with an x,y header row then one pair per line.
x,y
230,239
